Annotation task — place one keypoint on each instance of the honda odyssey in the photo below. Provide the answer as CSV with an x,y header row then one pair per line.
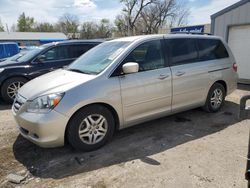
x,y
124,82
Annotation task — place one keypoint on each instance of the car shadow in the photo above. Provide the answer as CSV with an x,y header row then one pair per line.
x,y
245,87
4,106
138,142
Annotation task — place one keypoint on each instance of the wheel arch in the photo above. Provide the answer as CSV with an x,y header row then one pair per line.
x,y
13,76
223,83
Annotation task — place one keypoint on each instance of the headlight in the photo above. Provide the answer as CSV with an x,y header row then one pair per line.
x,y
1,70
44,103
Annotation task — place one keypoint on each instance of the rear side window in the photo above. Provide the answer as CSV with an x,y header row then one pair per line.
x,y
56,53
211,49
77,50
182,51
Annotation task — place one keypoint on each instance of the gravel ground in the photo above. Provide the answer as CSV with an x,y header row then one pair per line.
x,y
190,149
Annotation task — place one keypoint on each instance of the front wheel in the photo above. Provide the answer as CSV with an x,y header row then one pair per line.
x,y
90,128
10,88
216,98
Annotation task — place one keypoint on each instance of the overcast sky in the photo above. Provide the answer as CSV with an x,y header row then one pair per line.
x,y
51,10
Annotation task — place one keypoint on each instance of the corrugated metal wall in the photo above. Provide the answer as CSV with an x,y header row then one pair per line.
x,y
238,16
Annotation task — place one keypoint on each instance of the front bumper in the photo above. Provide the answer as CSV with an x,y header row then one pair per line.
x,y
45,130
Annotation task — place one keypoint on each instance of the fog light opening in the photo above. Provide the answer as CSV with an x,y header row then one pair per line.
x,y
35,136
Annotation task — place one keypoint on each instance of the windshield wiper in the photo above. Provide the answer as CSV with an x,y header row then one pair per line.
x,y
79,71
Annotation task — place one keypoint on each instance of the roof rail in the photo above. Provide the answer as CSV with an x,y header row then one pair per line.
x,y
191,33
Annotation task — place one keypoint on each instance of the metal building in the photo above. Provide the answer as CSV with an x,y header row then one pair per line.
x,y
233,24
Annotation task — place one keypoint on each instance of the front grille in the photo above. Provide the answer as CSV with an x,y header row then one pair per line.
x,y
19,101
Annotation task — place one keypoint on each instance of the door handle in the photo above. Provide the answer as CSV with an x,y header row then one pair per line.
x,y
180,73
163,77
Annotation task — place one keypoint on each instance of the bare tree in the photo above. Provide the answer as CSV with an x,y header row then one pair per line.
x,y
121,26
88,30
181,16
68,23
132,10
151,16
102,29
154,16
105,29
44,27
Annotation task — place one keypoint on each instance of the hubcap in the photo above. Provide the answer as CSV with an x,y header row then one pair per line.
x,y
217,98
13,88
93,129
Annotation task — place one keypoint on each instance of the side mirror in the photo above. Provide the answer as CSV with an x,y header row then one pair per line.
x,y
41,58
130,67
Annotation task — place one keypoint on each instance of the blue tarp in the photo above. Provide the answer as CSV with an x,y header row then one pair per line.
x,y
45,41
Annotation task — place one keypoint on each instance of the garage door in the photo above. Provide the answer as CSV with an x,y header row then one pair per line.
x,y
239,41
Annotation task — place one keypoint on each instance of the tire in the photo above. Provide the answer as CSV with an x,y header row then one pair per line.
x,y
81,122
6,91
218,101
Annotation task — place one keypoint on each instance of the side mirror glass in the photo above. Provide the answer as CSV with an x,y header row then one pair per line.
x,y
130,67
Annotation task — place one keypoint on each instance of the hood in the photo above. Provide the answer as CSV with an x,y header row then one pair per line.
x,y
8,63
54,82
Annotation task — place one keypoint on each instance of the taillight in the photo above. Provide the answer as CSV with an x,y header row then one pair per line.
x,y
235,67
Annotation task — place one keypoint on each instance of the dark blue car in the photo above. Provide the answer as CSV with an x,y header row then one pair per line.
x,y
16,72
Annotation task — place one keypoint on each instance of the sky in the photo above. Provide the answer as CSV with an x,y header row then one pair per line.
x,y
94,10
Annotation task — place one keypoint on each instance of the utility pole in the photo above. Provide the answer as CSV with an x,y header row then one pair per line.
x,y
7,28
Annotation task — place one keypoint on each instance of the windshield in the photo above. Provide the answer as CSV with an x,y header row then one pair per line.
x,y
30,54
98,58
17,56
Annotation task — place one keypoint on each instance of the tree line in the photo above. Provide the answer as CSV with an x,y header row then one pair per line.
x,y
137,17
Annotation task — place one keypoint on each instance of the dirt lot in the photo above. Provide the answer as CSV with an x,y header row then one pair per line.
x,y
190,149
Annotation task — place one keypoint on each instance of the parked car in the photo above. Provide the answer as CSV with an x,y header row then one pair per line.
x,y
46,58
124,82
8,49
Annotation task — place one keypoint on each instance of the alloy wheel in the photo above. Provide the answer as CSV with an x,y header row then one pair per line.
x,y
13,89
217,98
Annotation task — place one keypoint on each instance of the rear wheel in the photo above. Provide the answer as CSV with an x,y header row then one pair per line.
x,y
90,128
216,98
10,87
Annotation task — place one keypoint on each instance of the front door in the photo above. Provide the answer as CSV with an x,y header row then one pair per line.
x,y
146,94
54,58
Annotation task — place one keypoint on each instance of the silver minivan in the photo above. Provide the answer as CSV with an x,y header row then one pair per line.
x,y
124,82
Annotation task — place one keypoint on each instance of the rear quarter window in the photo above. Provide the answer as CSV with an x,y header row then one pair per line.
x,y
77,50
211,49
